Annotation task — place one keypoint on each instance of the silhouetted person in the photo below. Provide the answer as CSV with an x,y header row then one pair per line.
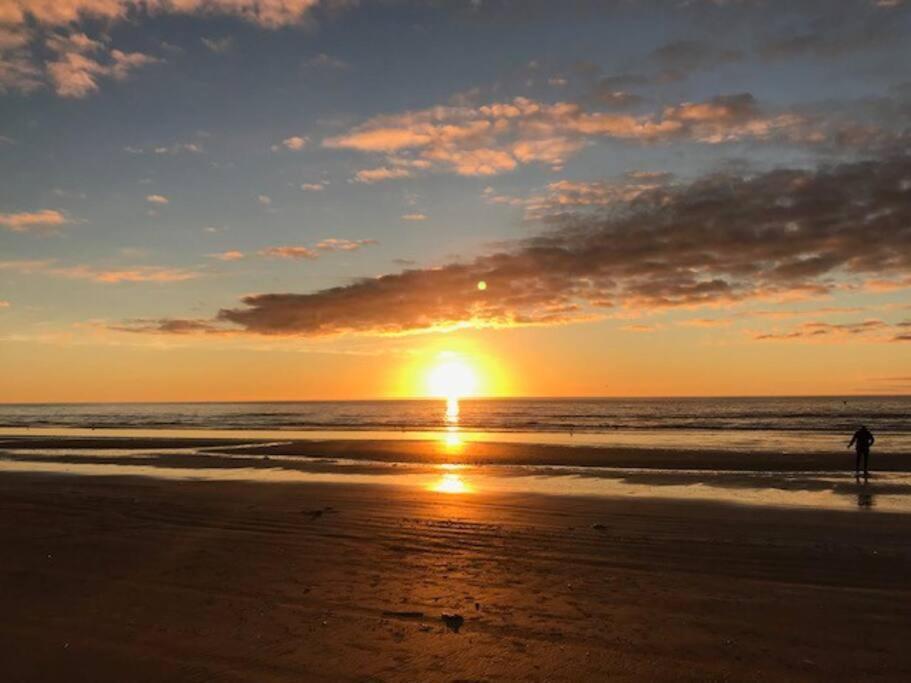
x,y
862,440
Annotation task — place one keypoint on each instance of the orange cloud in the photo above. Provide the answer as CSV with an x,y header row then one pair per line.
x,y
375,175
290,252
74,73
231,255
157,274
334,244
295,143
312,253
32,220
498,137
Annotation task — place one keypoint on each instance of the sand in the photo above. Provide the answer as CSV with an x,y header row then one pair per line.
x,y
130,579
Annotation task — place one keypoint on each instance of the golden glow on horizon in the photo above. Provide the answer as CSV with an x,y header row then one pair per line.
x,y
452,378
482,285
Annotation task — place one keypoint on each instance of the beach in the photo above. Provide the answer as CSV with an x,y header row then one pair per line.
x,y
191,577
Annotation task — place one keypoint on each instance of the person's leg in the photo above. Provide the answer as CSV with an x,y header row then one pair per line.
x,y
866,462
857,463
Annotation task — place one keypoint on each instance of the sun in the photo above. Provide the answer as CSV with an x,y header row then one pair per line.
x,y
452,378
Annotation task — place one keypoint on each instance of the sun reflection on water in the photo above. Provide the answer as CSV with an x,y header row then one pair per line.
x,y
452,410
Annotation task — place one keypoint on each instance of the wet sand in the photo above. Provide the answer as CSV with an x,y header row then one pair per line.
x,y
443,450
115,578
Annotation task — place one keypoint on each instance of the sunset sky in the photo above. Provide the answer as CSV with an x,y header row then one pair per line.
x,y
298,199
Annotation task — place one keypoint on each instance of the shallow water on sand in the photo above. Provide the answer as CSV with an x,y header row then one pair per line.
x,y
886,492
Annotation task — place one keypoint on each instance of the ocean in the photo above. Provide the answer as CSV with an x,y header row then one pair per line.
x,y
779,424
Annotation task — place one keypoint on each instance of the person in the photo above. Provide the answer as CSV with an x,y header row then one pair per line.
x,y
862,440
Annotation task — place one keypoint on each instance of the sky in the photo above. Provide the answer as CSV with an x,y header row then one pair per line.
x,y
321,199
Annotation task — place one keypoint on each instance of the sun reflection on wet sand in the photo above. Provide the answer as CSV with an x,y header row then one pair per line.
x,y
450,483
451,439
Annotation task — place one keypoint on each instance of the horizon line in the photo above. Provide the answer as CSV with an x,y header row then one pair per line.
x,y
652,397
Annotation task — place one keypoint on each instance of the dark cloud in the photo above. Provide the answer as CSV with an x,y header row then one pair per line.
x,y
817,330
617,99
835,34
683,56
168,326
721,239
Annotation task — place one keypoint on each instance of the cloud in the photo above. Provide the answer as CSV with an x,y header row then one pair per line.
x,y
18,72
375,175
290,252
172,149
499,137
565,196
135,274
334,244
218,45
867,330
156,274
264,200
295,143
414,217
80,63
315,187
30,221
157,199
704,322
265,13
833,36
680,57
721,239
4,303
324,61
231,255
640,328
166,326
329,244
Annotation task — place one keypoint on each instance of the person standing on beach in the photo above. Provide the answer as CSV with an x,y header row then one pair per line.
x,y
862,440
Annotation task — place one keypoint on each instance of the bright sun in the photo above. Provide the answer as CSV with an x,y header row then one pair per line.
x,y
452,378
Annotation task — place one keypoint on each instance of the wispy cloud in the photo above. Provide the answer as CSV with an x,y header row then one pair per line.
x,y
311,253
231,255
295,143
295,252
115,275
828,332
157,199
376,175
324,61
218,45
172,149
32,221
